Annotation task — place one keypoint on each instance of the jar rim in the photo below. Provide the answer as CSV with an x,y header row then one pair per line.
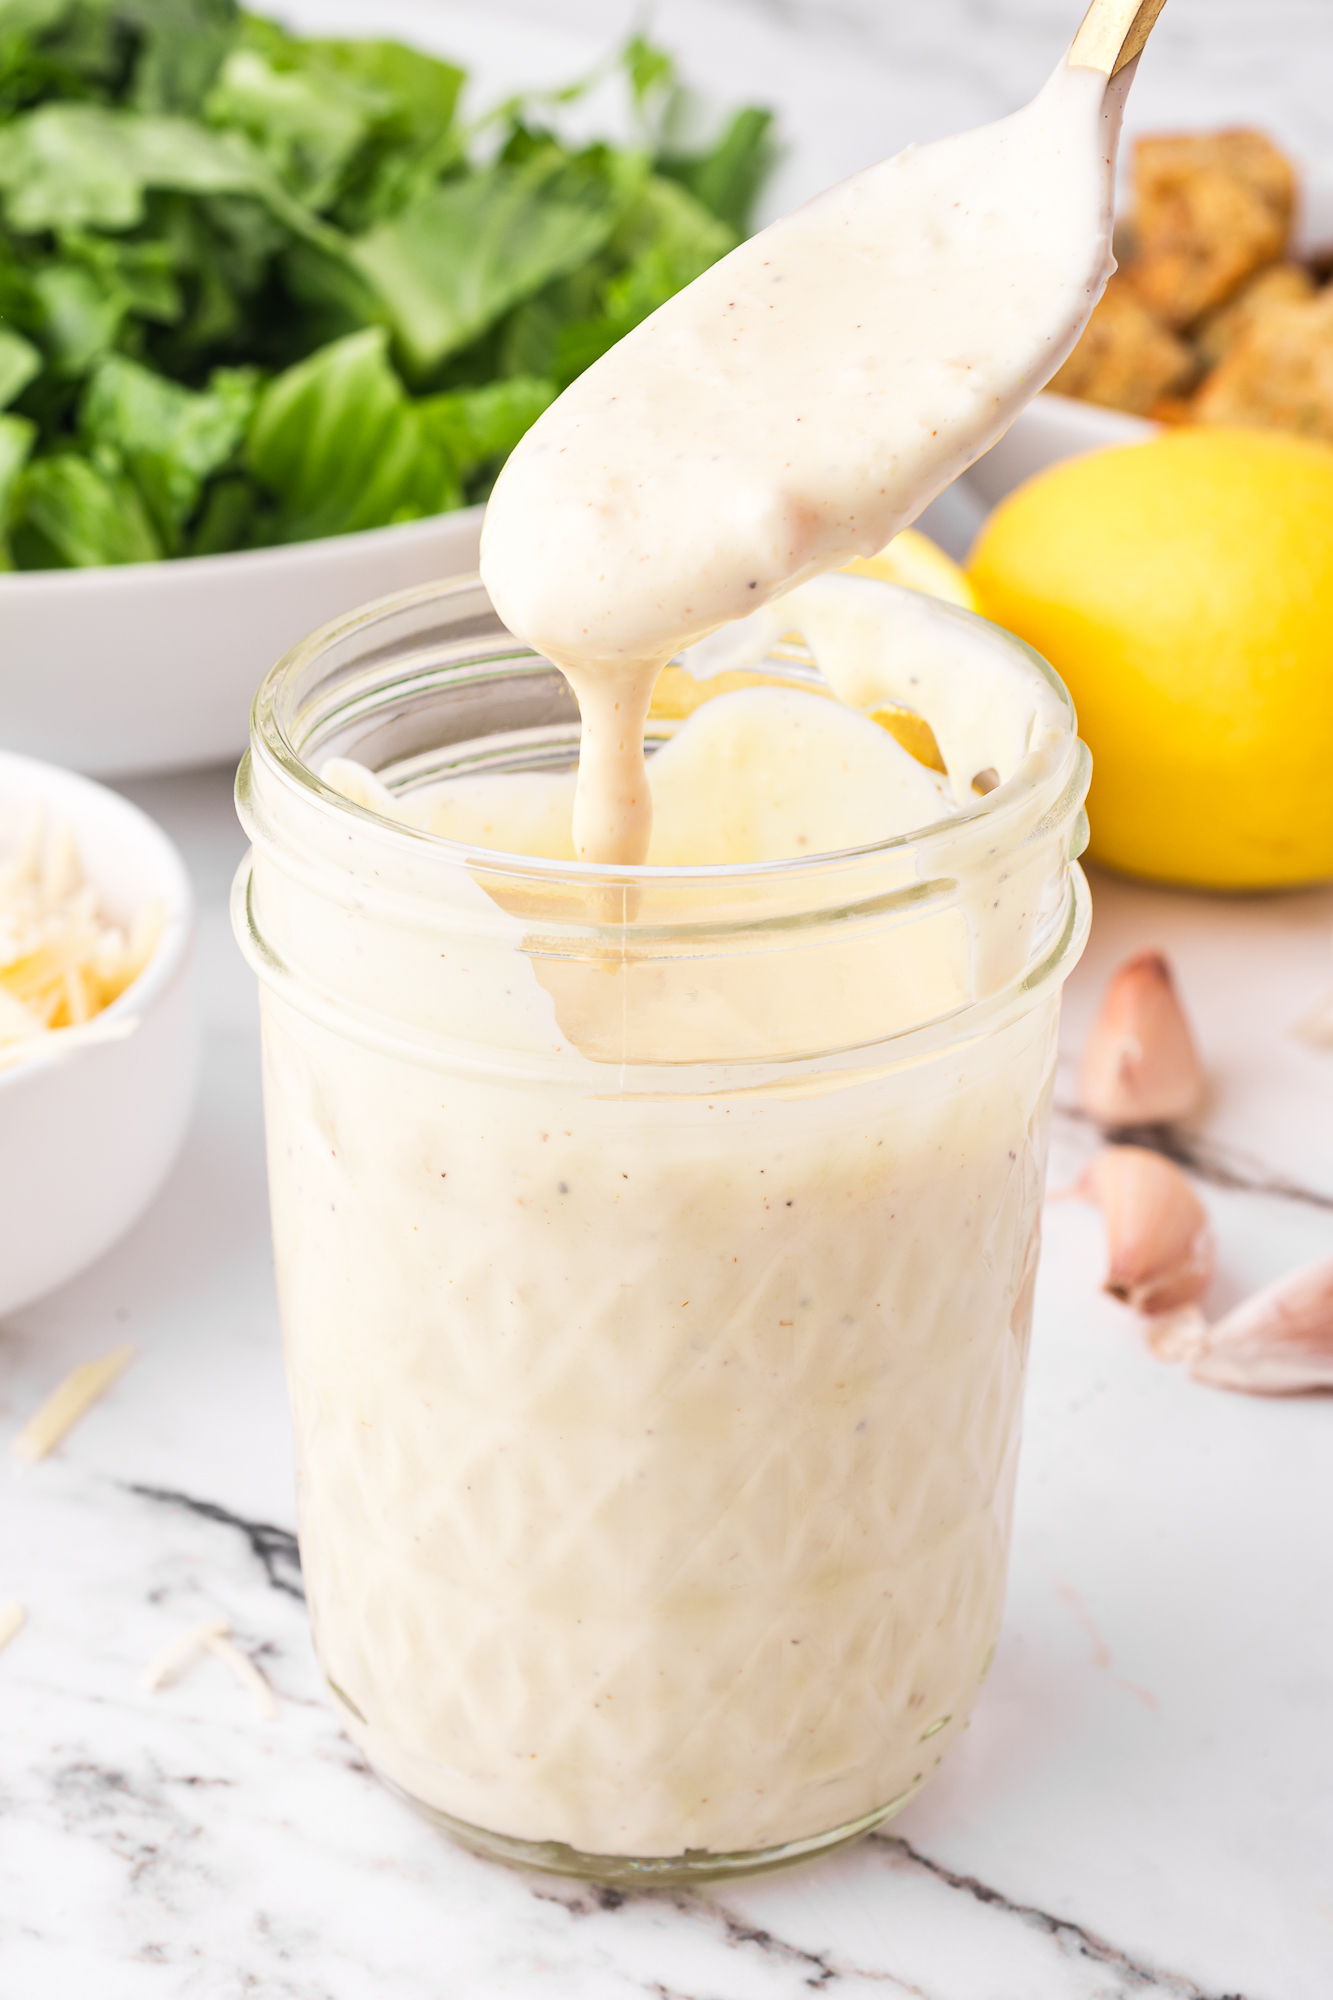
x,y
271,736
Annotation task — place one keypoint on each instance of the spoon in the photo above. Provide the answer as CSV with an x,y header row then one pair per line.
x,y
1113,34
801,402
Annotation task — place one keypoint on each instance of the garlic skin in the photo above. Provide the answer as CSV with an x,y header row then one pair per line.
x,y
1279,1342
1178,1335
1140,1065
1160,1245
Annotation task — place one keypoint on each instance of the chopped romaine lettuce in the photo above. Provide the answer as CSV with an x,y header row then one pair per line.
x,y
341,444
256,288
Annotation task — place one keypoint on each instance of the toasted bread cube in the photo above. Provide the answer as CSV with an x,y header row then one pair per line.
x,y
1126,359
1279,285
1211,209
1278,376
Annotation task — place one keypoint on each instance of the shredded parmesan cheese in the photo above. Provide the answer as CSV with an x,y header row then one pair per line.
x,y
62,960
12,1620
248,1674
180,1652
212,1636
62,1409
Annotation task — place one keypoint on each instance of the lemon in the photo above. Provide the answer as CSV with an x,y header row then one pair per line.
x,y
1182,588
913,560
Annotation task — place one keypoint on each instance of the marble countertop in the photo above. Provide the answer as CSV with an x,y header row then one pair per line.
x,y
1140,1807
1142,1803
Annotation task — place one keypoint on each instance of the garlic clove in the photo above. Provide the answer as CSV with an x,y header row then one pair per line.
x,y
1277,1343
1178,1335
1140,1065
1160,1246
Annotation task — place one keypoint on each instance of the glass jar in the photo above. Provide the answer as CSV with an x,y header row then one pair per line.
x,y
655,1251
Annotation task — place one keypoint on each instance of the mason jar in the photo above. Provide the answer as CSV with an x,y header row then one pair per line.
x,y
655,1252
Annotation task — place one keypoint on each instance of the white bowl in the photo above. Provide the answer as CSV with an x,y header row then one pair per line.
x,y
153,666
1050,428
87,1136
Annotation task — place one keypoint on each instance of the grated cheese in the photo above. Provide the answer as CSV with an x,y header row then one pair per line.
x,y
12,1620
62,960
248,1674
179,1653
81,1388
212,1636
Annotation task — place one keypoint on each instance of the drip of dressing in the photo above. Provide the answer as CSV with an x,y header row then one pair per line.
x,y
794,408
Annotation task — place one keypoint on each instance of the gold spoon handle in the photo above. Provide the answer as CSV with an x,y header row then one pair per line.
x,y
1113,33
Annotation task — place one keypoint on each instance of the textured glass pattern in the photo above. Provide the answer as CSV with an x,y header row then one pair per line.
x,y
716,1568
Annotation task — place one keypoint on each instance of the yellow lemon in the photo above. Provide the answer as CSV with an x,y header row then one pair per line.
x,y
913,560
1183,590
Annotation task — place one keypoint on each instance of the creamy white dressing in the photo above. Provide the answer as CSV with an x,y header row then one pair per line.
x,y
656,1438
657,1450
792,409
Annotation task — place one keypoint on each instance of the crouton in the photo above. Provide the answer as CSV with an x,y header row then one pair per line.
x,y
1126,359
1279,285
1211,210
1278,374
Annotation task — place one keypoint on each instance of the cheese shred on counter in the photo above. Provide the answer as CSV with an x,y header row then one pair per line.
x,y
62,960
12,1620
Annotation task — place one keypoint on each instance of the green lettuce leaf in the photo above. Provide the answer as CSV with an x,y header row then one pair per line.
x,y
17,437
86,166
168,440
479,428
228,517
308,126
76,306
89,166
161,55
728,177
20,19
311,93
456,260
666,240
650,70
420,91
184,184
54,49
223,250
339,444
79,317
70,514
20,361
182,45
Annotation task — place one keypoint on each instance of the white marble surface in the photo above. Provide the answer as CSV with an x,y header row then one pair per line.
x,y
1142,1803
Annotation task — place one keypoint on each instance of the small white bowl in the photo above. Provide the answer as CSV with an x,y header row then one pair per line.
x,y
153,666
88,1134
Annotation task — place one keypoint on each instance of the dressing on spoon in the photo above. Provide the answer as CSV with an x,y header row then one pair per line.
x,y
800,403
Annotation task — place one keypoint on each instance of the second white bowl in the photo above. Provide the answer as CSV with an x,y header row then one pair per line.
x,y
87,1134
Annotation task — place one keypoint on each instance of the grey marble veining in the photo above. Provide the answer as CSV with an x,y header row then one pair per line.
x,y
173,1843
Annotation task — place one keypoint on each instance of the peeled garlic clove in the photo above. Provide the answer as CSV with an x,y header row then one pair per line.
x,y
1161,1248
1140,1065
1178,1335
1277,1343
